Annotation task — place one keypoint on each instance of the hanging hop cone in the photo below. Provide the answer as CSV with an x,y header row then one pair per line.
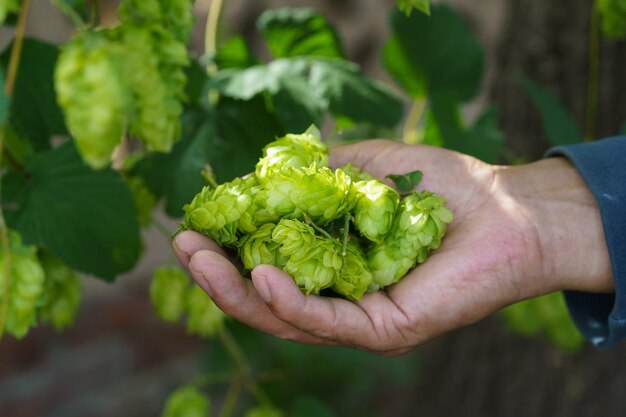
x,y
62,294
204,318
168,292
187,401
417,229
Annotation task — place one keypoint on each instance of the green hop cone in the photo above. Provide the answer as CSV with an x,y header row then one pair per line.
x,y
375,209
26,285
295,151
313,262
186,401
216,212
62,294
257,213
355,276
91,90
204,318
8,6
613,15
169,289
259,248
355,173
321,194
418,228
179,17
263,411
143,198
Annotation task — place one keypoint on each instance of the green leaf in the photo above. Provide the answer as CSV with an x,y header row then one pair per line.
x,y
310,407
235,53
296,105
293,32
35,113
407,6
5,101
347,93
196,79
85,218
428,55
559,126
406,183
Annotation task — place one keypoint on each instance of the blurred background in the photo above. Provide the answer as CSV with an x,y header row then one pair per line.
x,y
119,359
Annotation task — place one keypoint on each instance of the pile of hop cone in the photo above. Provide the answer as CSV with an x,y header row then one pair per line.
x,y
339,229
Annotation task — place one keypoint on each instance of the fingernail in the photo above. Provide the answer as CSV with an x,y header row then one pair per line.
x,y
263,288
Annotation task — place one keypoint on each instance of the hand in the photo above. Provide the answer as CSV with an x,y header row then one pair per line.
x,y
518,232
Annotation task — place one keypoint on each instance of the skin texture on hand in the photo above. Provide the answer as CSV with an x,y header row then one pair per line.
x,y
519,232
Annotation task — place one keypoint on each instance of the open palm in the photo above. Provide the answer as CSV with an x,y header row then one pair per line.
x,y
490,257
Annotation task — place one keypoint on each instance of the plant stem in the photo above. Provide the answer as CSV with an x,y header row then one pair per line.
x,y
70,13
231,398
594,75
413,120
14,63
161,228
311,223
346,233
239,358
211,34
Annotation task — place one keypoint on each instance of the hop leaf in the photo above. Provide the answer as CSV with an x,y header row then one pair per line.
x,y
263,412
259,248
25,284
92,92
375,209
186,401
169,289
355,276
418,228
204,317
62,294
295,151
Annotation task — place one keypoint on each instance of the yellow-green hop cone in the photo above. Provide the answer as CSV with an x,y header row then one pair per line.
x,y
143,198
263,412
355,173
355,277
321,194
313,262
180,18
169,289
613,15
258,248
92,92
187,401
418,227
375,209
62,294
293,151
204,318
216,212
8,6
257,213
26,284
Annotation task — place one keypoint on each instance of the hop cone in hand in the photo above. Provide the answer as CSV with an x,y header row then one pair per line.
x,y
61,295
26,285
168,292
293,151
187,401
375,209
355,276
417,229
259,248
314,262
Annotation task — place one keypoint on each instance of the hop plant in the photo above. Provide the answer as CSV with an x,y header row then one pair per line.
x,y
263,411
62,294
204,318
25,286
418,228
295,151
375,209
259,248
169,290
613,14
186,401
93,94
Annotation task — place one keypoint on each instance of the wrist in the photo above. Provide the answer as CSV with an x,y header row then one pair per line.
x,y
566,225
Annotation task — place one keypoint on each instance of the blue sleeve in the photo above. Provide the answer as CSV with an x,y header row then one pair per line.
x,y
601,318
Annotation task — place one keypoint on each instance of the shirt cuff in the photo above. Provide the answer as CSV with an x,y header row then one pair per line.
x,y
601,318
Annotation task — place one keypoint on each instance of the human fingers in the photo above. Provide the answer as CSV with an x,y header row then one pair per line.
x,y
187,243
237,297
